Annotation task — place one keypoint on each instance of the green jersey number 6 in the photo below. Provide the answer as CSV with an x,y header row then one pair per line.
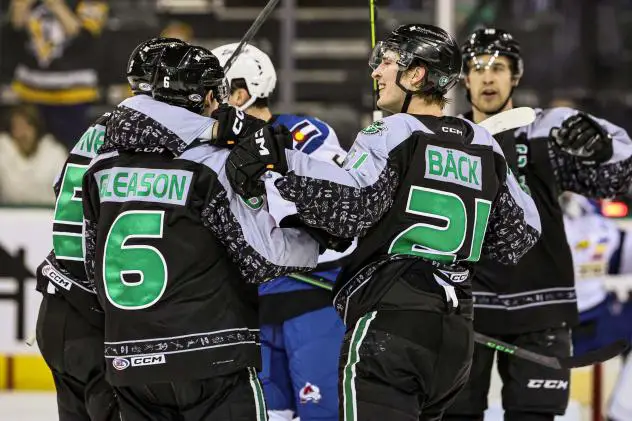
x,y
121,259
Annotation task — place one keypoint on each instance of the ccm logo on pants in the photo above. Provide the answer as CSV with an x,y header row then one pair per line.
x,y
547,384
148,360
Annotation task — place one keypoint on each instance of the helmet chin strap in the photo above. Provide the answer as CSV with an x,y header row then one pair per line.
x,y
409,93
248,103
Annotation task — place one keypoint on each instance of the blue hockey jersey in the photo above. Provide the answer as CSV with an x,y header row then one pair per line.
x,y
314,137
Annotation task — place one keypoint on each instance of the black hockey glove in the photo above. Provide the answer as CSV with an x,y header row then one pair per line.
x,y
233,125
253,156
581,136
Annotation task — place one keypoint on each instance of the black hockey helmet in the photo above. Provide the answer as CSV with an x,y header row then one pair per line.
x,y
495,42
428,46
142,63
185,74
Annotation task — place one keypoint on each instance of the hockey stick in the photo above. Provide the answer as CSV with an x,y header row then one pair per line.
x,y
590,358
510,119
377,113
312,281
30,340
263,16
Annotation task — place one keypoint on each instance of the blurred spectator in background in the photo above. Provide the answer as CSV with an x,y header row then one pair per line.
x,y
29,159
58,73
563,102
179,30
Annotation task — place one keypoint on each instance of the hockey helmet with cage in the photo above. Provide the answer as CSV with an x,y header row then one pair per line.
x,y
142,63
425,45
253,66
494,42
185,74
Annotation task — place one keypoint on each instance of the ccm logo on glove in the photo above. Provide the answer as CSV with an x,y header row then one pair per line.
x,y
261,141
238,124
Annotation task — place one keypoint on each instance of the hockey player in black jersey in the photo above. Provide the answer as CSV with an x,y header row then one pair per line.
x,y
533,304
70,321
428,195
169,248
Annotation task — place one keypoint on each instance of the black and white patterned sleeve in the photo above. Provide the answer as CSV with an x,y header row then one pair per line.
x,y
259,249
608,179
508,235
90,202
342,210
346,201
514,224
89,249
599,181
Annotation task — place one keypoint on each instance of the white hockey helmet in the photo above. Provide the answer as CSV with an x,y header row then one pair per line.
x,y
254,66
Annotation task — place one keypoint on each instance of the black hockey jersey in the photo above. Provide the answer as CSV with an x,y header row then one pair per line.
x,y
63,269
170,249
539,292
415,189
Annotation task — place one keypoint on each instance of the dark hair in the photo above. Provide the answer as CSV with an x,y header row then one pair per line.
x,y
434,97
32,115
240,83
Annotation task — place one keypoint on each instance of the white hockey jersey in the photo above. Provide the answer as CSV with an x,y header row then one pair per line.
x,y
593,240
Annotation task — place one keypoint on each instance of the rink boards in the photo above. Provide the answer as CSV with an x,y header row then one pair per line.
x,y
25,239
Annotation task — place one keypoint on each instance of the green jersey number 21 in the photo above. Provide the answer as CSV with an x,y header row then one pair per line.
x,y
441,242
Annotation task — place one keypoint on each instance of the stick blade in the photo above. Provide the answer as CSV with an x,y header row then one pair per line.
x,y
597,356
510,119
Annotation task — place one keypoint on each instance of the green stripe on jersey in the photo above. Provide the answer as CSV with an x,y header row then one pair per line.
x,y
349,372
260,405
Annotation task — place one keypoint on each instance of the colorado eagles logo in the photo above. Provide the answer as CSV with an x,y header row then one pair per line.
x,y
376,127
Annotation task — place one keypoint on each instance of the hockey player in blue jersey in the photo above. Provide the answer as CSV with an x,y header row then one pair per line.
x,y
301,333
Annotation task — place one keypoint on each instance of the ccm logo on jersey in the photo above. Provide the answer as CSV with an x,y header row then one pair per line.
x,y
259,140
148,360
547,384
452,130
56,277
457,276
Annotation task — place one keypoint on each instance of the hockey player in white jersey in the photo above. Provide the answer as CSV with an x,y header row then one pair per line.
x,y
600,247
301,334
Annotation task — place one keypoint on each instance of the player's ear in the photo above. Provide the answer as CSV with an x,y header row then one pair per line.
x,y
208,99
419,72
210,103
416,75
241,96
